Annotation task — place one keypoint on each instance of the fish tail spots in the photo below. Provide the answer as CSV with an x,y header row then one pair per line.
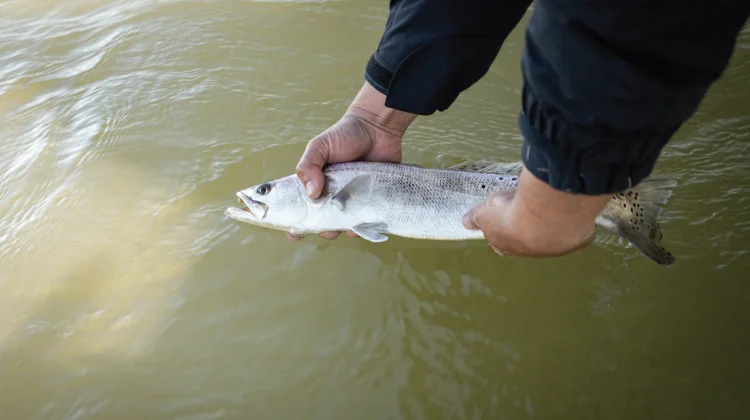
x,y
634,215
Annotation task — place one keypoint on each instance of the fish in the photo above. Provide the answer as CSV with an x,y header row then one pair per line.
x,y
377,199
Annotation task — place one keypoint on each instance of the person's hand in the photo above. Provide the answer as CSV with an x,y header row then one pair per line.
x,y
536,220
368,131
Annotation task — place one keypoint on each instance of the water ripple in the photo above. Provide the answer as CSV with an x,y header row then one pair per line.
x,y
129,125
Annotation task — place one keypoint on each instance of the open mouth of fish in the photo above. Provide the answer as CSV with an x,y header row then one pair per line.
x,y
248,205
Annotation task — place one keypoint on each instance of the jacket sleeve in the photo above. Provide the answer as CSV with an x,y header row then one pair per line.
x,y
608,83
432,50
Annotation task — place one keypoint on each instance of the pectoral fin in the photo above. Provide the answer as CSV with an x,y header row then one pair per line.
x,y
359,187
371,231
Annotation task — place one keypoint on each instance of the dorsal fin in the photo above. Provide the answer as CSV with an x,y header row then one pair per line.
x,y
490,167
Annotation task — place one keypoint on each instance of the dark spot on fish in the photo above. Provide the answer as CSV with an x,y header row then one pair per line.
x,y
514,179
630,193
482,186
625,205
500,178
641,220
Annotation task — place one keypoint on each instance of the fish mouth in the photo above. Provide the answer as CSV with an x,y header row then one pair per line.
x,y
255,208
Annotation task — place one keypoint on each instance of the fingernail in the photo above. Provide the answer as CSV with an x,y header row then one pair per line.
x,y
310,187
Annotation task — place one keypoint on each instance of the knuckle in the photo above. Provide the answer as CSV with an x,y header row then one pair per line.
x,y
305,169
301,167
479,218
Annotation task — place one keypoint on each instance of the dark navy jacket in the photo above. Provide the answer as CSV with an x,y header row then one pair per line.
x,y
606,82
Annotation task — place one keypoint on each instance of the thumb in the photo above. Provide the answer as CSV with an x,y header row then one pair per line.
x,y
470,219
474,217
310,167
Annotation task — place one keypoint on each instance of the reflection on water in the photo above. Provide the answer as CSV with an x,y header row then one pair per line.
x,y
104,247
125,292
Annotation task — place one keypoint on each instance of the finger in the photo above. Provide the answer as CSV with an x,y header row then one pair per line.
x,y
351,234
330,235
473,218
310,167
469,219
292,237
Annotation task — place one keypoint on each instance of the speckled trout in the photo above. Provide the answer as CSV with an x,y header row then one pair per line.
x,y
376,199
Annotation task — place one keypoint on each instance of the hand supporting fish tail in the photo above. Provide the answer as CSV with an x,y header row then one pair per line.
x,y
536,220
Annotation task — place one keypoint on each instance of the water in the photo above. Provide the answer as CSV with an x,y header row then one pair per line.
x,y
125,292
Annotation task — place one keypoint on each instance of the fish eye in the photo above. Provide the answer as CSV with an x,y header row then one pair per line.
x,y
264,189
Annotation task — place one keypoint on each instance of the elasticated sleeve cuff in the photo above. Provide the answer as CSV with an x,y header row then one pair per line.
x,y
432,50
604,90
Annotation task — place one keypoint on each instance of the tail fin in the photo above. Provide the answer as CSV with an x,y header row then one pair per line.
x,y
634,215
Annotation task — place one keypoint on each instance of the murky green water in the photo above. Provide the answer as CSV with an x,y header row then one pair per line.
x,y
125,293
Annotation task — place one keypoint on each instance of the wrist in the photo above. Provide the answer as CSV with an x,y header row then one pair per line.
x,y
369,106
549,218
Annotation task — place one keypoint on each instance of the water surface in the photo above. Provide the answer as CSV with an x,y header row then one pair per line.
x,y
125,293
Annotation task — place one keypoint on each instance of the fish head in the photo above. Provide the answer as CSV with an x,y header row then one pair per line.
x,y
278,204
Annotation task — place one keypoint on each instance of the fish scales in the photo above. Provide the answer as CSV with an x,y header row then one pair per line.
x,y
415,202
375,199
